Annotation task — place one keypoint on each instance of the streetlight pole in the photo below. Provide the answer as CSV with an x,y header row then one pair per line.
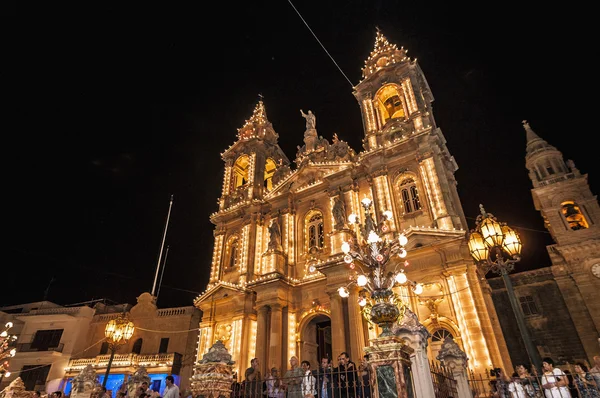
x,y
117,331
489,244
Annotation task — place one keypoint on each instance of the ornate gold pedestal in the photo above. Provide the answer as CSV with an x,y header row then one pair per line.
x,y
213,374
389,358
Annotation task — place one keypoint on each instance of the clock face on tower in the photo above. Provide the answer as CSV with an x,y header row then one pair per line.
x,y
596,270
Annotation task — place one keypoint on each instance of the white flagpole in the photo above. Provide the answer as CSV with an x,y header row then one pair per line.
x,y
162,245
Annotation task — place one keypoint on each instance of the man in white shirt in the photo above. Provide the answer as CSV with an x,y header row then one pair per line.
x,y
171,390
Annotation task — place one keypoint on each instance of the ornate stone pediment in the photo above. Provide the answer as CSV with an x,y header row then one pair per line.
x,y
217,353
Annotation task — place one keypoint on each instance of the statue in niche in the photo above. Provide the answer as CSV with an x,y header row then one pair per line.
x,y
274,235
311,119
339,213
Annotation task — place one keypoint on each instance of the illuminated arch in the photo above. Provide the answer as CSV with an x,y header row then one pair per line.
x,y
270,167
231,258
389,102
314,231
408,193
241,171
573,215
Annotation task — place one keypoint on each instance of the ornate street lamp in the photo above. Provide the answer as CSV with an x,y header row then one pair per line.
x,y
117,331
370,257
6,340
496,247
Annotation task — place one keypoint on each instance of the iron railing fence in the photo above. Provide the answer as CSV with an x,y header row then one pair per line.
x,y
578,385
444,384
318,384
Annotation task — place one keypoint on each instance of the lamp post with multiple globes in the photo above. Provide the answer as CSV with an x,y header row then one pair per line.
x,y
117,332
370,256
6,351
496,247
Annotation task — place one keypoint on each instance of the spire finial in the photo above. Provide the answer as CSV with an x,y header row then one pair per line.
x,y
482,210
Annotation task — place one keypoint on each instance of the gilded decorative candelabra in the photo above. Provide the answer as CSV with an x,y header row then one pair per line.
x,y
370,256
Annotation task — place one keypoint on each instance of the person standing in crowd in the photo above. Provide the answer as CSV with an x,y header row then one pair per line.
x,y
345,375
273,383
501,385
171,389
554,381
529,383
293,379
364,378
325,379
308,381
253,380
595,370
584,381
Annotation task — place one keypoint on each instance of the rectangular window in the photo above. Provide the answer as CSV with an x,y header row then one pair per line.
x,y
528,305
164,345
45,339
34,375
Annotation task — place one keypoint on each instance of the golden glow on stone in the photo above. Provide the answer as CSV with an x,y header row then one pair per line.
x,y
252,345
384,198
370,118
216,260
481,342
245,246
432,186
409,95
259,249
292,334
460,316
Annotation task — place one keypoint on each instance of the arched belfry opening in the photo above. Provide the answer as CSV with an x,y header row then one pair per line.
x,y
315,340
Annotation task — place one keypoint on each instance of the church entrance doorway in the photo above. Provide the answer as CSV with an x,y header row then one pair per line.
x,y
315,340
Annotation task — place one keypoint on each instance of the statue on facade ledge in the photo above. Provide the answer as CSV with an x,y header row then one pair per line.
x,y
274,235
311,120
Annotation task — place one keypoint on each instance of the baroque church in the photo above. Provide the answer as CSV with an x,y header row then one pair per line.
x,y
278,262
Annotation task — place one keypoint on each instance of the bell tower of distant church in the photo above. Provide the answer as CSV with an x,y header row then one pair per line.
x,y
572,216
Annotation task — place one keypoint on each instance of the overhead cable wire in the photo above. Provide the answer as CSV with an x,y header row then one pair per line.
x,y
319,41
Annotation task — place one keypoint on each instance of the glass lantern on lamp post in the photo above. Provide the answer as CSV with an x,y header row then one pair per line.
x,y
496,247
371,257
117,332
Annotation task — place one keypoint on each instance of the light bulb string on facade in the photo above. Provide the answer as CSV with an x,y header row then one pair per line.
x,y
167,331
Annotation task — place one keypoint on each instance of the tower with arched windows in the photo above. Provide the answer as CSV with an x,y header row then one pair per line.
x,y
277,262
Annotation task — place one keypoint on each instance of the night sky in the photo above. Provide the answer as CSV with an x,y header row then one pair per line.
x,y
113,109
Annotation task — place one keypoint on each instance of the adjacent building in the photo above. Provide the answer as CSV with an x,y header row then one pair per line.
x,y
277,263
561,303
55,343
48,336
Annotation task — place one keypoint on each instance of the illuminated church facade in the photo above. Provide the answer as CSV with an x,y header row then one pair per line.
x,y
277,262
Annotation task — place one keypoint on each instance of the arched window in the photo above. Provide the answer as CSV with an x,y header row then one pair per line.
x,y
270,167
440,335
137,347
232,253
409,195
390,103
314,229
240,171
573,215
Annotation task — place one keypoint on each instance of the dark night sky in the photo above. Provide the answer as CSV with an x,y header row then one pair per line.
x,y
112,109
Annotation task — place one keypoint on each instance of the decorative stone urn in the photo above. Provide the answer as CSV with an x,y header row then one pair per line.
x,y
213,374
384,314
84,383
16,389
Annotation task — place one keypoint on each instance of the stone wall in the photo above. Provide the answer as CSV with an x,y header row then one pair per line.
x,y
552,329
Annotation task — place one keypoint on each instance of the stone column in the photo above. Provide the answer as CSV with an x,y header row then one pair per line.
x,y
338,337
415,335
261,337
453,358
276,341
357,336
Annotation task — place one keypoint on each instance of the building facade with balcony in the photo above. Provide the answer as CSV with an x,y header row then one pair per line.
x,y
164,342
48,335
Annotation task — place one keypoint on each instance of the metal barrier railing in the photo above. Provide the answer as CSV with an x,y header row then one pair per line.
x,y
444,384
317,383
570,381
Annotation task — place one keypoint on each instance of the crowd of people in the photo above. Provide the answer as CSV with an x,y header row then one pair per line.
x,y
346,380
553,382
